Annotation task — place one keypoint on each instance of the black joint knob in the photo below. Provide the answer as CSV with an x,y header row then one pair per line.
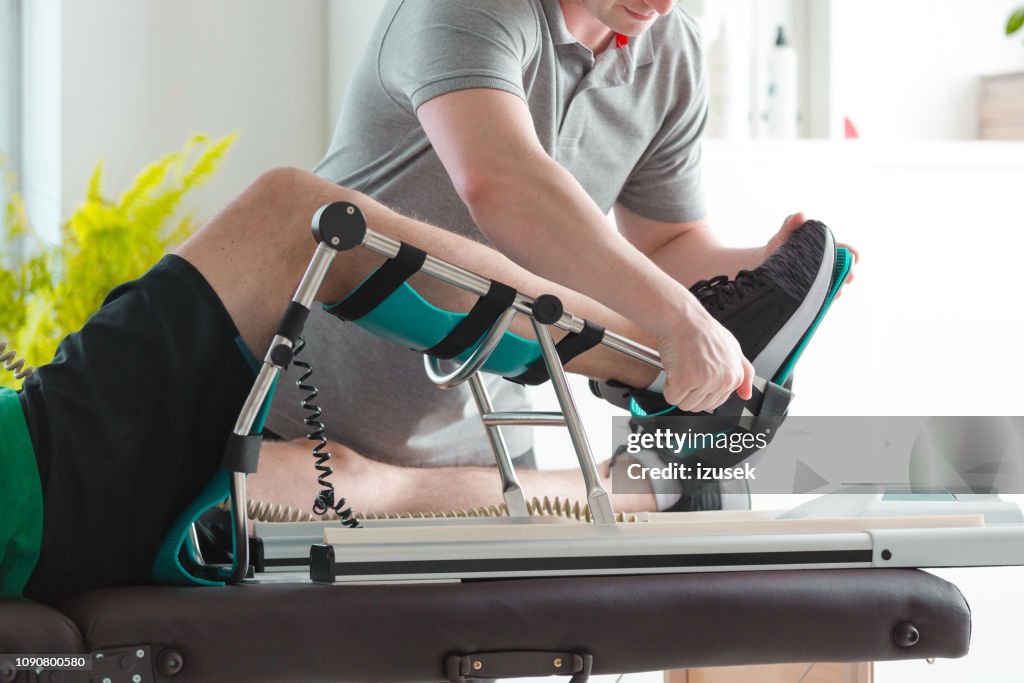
x,y
547,309
170,663
340,225
906,635
282,355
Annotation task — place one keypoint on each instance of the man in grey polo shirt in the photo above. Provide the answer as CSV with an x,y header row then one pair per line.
x,y
522,123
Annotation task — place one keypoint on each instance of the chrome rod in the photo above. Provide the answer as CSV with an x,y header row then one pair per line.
x,y
240,561
315,275
197,552
518,419
511,490
476,360
254,402
243,427
305,295
598,498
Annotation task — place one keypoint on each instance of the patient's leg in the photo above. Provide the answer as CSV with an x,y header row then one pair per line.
x,y
255,251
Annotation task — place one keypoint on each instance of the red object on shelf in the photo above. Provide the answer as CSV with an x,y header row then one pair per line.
x,y
851,130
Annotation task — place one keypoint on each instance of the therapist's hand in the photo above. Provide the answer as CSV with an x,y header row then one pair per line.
x,y
791,225
703,361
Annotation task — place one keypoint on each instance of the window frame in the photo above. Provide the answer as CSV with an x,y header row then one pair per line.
x,y
11,84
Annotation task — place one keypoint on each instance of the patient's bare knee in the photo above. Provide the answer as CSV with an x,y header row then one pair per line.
x,y
274,213
294,189
279,188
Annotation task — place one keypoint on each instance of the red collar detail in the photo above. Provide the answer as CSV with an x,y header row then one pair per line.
x,y
621,40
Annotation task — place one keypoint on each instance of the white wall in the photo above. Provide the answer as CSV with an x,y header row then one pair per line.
x,y
908,70
138,77
349,23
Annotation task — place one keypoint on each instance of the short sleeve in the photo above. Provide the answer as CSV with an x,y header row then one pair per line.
x,y
434,47
666,184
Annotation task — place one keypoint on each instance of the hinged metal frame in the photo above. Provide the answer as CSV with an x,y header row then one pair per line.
x,y
340,227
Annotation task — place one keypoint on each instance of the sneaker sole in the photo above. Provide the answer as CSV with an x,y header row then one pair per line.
x,y
844,262
780,348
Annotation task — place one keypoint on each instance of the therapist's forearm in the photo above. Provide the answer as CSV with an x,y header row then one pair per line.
x,y
537,214
698,255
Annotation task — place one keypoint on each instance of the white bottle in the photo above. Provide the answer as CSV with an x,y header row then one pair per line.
x,y
729,92
783,70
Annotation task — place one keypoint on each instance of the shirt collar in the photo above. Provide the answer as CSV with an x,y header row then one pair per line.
x,y
641,48
556,23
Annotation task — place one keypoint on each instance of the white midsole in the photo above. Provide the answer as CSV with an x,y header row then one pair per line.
x,y
782,344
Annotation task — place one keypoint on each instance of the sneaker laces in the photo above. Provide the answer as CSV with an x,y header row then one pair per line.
x,y
721,292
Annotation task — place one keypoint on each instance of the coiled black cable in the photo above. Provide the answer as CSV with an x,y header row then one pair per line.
x,y
13,363
324,501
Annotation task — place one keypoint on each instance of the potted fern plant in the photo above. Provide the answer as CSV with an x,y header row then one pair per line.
x,y
53,289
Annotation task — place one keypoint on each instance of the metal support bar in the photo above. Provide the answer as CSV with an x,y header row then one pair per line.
x,y
195,551
476,360
511,490
537,419
305,295
598,498
243,427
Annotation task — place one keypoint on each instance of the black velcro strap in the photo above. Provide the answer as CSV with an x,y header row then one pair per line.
x,y
242,453
381,284
480,318
767,407
571,346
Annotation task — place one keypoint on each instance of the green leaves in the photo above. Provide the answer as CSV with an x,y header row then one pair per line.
x,y
106,242
1016,21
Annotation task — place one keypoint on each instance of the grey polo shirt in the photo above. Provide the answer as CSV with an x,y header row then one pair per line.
x,y
626,123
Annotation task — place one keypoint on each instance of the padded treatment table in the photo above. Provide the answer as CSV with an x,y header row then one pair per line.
x,y
283,631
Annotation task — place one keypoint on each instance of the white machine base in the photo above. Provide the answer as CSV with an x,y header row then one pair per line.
x,y
672,543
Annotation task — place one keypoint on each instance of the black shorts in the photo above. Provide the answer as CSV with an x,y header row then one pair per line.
x,y
129,424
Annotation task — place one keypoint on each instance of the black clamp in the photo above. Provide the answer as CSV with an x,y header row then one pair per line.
x,y
242,453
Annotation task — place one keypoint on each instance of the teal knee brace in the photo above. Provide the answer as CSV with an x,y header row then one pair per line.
x,y
407,319
388,307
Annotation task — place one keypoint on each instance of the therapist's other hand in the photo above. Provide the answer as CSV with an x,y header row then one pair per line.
x,y
791,225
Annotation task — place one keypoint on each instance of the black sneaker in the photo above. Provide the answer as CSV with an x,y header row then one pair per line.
x,y
772,310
